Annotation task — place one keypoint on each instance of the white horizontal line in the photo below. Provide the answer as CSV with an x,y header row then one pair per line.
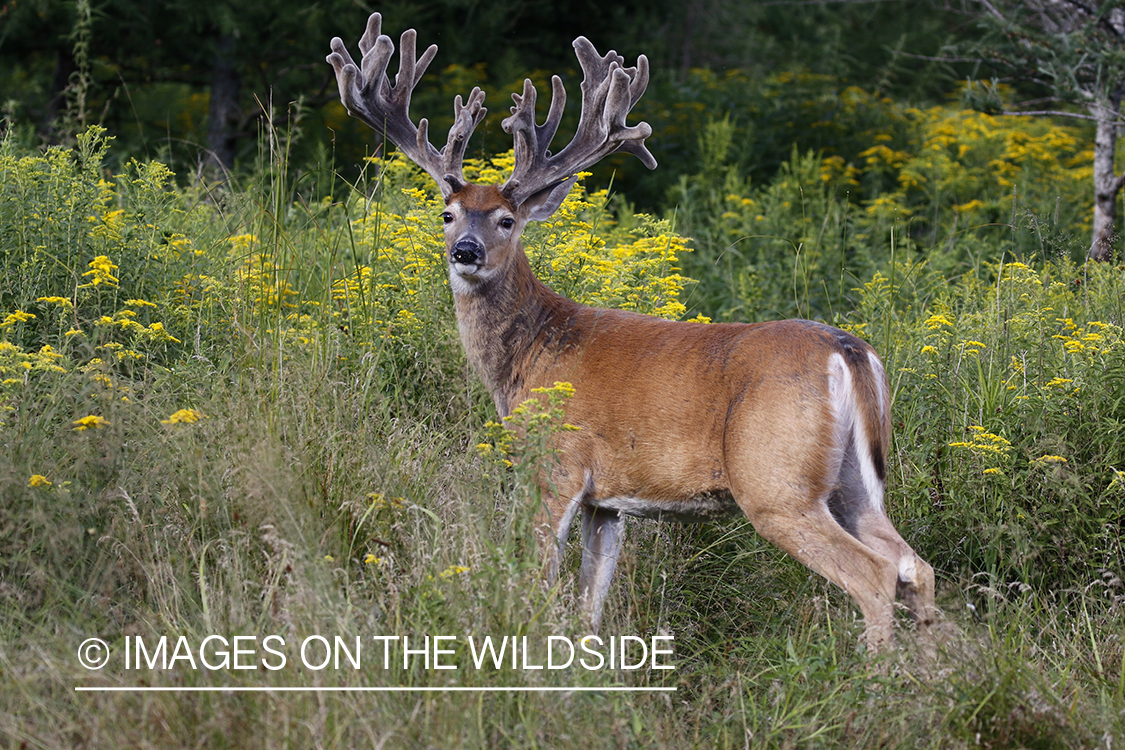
x,y
286,689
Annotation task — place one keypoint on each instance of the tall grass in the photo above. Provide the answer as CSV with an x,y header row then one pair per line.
x,y
259,421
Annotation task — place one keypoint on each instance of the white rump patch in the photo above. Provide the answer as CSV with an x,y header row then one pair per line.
x,y
880,376
842,393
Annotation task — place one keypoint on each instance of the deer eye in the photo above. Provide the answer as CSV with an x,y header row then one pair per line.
x,y
447,217
507,222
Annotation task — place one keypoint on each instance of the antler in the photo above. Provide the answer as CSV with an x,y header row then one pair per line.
x,y
367,94
609,92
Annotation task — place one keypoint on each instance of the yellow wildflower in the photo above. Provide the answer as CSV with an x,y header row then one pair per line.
x,y
972,205
1056,382
183,416
453,570
101,269
560,388
38,480
19,316
936,321
157,333
91,421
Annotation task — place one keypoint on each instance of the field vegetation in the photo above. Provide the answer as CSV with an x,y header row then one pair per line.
x,y
245,411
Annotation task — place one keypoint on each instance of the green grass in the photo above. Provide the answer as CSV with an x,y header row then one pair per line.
x,y
333,486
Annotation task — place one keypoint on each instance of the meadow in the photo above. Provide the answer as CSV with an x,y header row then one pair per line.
x,y
243,411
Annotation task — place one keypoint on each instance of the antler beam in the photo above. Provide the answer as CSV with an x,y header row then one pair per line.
x,y
609,91
367,94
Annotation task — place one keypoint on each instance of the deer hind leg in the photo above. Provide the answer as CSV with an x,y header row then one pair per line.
x,y
806,530
790,490
602,535
857,505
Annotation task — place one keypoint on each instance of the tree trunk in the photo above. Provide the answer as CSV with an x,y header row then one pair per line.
x,y
224,113
1107,183
65,67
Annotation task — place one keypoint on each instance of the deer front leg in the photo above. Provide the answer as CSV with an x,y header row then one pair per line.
x,y
554,545
602,535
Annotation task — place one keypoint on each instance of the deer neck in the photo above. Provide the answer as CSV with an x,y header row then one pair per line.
x,y
507,323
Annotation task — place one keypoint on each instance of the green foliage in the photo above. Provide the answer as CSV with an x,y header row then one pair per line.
x,y
295,449
952,187
1010,445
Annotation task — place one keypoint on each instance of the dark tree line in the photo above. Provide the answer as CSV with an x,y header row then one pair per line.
x,y
66,61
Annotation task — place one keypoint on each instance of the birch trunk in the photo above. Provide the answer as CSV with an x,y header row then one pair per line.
x,y
1107,183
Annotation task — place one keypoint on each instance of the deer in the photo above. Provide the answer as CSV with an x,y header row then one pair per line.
x,y
786,422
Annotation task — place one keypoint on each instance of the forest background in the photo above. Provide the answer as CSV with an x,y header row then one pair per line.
x,y
233,400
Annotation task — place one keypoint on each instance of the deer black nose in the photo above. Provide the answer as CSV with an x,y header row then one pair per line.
x,y
467,251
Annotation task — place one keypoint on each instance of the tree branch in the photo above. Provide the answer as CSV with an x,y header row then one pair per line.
x,y
992,9
1047,113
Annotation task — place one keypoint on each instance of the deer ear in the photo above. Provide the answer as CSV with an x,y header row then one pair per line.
x,y
542,205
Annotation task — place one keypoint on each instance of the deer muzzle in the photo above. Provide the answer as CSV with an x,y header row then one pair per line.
x,y
467,252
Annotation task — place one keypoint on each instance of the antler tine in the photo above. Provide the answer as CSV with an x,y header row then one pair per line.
x,y
466,117
367,94
609,92
532,141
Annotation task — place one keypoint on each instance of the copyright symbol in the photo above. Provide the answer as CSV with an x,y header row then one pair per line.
x,y
93,653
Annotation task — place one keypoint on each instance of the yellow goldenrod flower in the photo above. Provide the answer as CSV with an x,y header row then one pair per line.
x,y
183,416
559,388
38,480
984,443
19,316
92,421
55,301
157,333
101,269
936,321
453,570
1073,347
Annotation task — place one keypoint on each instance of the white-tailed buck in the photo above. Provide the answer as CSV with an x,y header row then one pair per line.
x,y
787,422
